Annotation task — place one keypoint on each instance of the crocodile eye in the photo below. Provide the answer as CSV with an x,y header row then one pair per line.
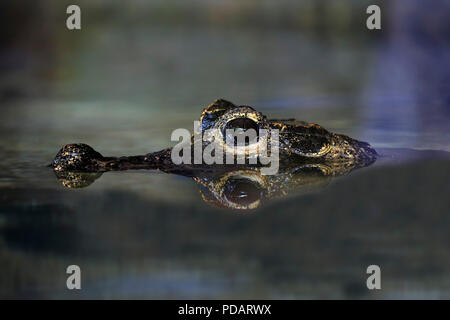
x,y
242,131
239,131
243,192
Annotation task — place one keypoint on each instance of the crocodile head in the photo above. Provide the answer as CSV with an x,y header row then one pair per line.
x,y
298,140
309,156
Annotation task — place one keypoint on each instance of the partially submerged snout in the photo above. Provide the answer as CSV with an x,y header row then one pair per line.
x,y
309,156
80,157
76,156
297,142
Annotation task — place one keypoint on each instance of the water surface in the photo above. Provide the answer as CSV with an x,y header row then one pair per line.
x,y
123,84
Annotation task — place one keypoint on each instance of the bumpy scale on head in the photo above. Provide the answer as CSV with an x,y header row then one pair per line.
x,y
75,157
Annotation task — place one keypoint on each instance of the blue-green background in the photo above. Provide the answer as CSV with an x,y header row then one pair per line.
x,y
139,69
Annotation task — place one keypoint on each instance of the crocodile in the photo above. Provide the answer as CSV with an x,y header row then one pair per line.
x,y
309,155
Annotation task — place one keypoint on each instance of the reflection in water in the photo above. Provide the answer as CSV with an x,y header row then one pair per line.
x,y
133,242
75,180
239,187
248,188
307,156
311,246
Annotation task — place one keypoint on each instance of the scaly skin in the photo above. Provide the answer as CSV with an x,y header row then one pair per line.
x,y
300,142
310,157
297,138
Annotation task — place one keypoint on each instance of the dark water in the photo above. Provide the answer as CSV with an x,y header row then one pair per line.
x,y
147,234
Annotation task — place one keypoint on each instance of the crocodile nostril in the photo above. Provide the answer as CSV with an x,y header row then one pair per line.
x,y
76,156
242,131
